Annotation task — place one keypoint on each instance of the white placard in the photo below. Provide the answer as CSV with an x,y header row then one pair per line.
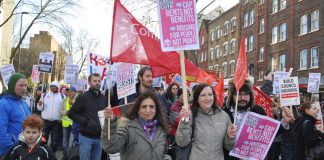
x,y
125,79
276,77
71,74
314,80
45,62
6,72
289,91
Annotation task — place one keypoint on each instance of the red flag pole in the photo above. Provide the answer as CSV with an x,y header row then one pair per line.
x,y
184,85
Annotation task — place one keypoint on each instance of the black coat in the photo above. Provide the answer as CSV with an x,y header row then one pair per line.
x,y
85,111
307,136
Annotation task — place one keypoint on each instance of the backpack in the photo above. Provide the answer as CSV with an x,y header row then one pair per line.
x,y
316,153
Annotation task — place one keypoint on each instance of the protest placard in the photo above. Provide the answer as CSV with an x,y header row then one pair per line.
x,y
177,79
45,62
314,80
35,74
97,64
319,117
289,91
125,80
255,137
71,74
157,82
82,84
276,77
6,72
178,25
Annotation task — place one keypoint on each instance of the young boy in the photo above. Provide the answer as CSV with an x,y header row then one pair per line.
x,y
31,145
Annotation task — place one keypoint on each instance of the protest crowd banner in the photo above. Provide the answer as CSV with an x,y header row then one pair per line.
x,y
35,74
6,72
276,77
71,74
125,80
314,80
255,137
289,91
45,62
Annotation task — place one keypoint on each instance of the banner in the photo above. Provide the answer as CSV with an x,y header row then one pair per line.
x,y
6,72
45,62
289,91
276,77
97,64
240,73
255,137
35,74
71,74
125,80
82,84
263,100
314,80
178,25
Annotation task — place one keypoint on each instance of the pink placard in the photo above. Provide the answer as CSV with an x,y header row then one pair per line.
x,y
178,25
255,137
35,74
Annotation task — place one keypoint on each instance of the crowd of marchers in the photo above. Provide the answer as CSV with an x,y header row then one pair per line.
x,y
155,124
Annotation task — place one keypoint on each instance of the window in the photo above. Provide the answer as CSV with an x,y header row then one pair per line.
x,y
283,4
274,6
225,68
274,64
261,25
233,24
314,57
206,55
251,69
303,59
217,52
233,45
211,52
283,32
261,53
274,34
260,76
226,28
261,1
232,68
216,67
202,40
218,32
212,36
225,48
246,44
303,24
282,62
246,19
314,20
251,43
251,17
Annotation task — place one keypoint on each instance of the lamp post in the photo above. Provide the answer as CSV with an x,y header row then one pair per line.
x,y
21,20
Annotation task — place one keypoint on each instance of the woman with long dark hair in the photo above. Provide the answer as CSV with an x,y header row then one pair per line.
x,y
307,135
144,137
171,92
210,126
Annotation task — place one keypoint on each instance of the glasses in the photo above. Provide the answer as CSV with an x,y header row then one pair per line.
x,y
242,95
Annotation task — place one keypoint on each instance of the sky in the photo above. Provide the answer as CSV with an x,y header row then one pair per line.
x,y
96,17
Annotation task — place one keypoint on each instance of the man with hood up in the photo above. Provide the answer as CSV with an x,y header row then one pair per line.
x,y
13,111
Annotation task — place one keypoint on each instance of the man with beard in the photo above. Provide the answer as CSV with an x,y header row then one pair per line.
x,y
85,111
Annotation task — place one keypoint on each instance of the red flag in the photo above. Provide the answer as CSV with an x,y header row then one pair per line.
x,y
263,100
241,67
219,92
204,77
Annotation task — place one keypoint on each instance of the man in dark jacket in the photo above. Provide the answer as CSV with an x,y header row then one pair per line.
x,y
85,112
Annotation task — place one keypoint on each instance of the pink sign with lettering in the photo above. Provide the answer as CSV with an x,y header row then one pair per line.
x,y
178,25
255,137
35,74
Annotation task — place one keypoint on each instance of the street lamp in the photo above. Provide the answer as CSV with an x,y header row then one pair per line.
x,y
21,20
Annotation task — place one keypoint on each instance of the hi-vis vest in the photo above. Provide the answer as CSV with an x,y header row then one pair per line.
x,y
66,121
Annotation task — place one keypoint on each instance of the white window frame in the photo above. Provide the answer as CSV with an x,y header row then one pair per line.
x,y
283,32
261,2
251,43
283,4
217,54
224,66
216,67
315,20
212,35
303,24
274,35
226,27
261,29
233,50
218,32
260,75
232,68
312,55
302,59
261,54
246,20
274,64
202,40
282,58
252,15
225,48
275,6
233,24
246,44
211,54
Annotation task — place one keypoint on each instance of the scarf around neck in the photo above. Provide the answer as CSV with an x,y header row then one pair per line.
x,y
150,127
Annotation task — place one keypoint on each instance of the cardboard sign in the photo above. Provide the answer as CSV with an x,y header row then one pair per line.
x,y
178,25
71,74
45,62
314,80
6,72
289,91
97,64
276,77
125,80
35,74
255,137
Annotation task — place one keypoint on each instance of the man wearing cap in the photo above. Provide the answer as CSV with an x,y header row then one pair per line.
x,y
66,121
49,104
13,111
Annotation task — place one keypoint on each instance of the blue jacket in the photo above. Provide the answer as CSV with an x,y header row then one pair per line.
x,y
13,111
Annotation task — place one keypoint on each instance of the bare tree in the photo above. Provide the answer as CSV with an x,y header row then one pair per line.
x,y
12,13
49,12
